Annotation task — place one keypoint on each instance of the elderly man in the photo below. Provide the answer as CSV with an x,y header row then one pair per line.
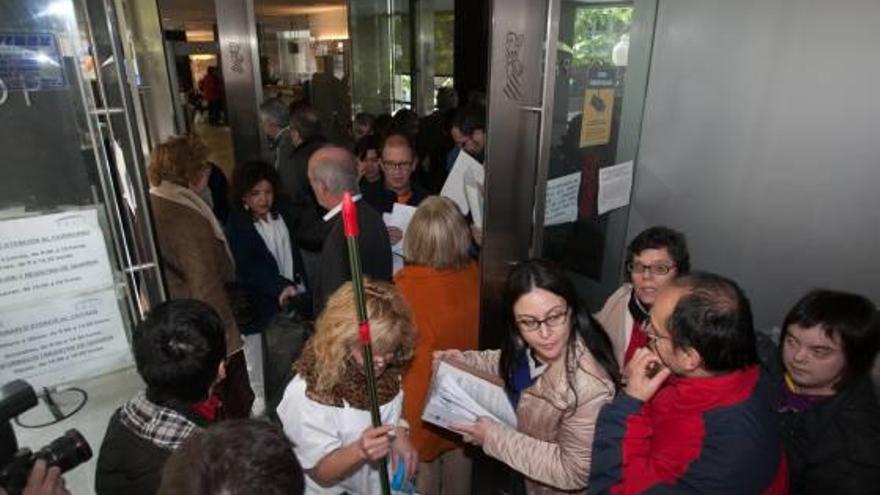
x,y
695,415
332,171
275,123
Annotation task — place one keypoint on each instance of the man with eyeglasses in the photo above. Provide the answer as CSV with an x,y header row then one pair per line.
x,y
656,257
398,163
695,414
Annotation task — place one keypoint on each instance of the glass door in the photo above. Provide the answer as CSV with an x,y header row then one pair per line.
x,y
78,265
566,89
381,43
599,90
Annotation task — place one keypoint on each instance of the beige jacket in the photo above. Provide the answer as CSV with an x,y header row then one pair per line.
x,y
617,321
195,261
552,445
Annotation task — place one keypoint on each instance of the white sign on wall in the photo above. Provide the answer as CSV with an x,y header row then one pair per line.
x,y
59,314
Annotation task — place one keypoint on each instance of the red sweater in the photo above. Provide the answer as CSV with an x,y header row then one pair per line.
x,y
715,435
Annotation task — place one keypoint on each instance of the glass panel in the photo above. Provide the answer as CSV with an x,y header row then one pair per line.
x,y
589,95
70,148
305,56
381,55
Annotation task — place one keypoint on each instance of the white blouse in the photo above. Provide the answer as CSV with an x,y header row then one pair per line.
x,y
277,239
317,429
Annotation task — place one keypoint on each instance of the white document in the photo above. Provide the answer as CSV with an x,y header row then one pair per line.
x,y
615,186
63,339
47,256
561,205
457,396
399,217
465,185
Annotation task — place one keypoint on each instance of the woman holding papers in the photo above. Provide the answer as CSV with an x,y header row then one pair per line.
x,y
558,368
442,285
325,409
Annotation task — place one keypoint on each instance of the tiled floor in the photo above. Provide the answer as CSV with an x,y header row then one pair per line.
x,y
219,142
106,393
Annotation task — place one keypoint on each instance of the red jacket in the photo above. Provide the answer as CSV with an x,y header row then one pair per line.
x,y
714,435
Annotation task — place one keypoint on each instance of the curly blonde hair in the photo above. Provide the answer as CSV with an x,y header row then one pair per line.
x,y
179,159
336,331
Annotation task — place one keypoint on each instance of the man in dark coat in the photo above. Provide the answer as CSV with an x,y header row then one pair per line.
x,y
332,171
829,413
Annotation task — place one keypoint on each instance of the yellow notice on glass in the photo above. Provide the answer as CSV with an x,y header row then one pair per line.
x,y
598,108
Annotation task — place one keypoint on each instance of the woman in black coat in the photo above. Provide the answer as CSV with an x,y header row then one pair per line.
x,y
268,265
828,411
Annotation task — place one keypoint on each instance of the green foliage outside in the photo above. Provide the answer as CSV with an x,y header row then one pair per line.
x,y
596,31
444,43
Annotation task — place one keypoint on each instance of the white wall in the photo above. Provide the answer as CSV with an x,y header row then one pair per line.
x,y
761,141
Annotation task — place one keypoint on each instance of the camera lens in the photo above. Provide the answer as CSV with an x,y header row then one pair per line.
x,y
67,451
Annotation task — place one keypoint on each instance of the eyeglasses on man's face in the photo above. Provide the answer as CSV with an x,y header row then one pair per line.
x,y
654,338
657,269
553,320
390,166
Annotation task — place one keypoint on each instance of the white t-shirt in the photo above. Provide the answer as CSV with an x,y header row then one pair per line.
x,y
317,429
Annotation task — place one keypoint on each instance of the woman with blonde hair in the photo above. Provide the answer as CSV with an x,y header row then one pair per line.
x,y
195,256
325,408
442,285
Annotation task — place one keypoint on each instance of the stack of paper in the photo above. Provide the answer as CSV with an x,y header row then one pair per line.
x,y
399,217
458,396
465,186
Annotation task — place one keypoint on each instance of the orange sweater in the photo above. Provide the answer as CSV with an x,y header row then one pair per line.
x,y
446,309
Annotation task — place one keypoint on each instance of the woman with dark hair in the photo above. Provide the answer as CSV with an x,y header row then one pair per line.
x,y
267,259
558,368
828,410
268,265
656,257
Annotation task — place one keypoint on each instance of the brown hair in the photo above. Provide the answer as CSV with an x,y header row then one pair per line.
x,y
336,331
179,159
438,235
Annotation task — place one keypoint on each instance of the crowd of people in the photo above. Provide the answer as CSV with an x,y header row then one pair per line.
x,y
668,388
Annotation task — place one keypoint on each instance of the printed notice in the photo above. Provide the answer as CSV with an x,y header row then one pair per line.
x,y
63,339
30,61
598,109
51,255
561,204
615,186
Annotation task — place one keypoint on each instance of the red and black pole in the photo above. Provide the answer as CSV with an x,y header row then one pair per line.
x,y
350,223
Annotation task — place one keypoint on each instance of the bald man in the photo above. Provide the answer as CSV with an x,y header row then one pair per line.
x,y
332,171
398,163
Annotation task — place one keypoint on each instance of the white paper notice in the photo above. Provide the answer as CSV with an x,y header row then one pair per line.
x,y
63,339
562,199
457,396
60,319
399,217
464,186
615,186
46,256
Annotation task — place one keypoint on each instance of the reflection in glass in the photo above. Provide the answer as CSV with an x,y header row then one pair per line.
x,y
591,69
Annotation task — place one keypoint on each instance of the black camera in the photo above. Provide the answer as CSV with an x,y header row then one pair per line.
x,y
67,451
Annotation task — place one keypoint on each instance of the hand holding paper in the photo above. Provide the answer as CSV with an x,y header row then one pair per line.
x,y
458,396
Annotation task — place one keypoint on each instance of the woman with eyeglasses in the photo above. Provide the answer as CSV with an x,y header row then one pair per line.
x,y
558,369
326,410
654,258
